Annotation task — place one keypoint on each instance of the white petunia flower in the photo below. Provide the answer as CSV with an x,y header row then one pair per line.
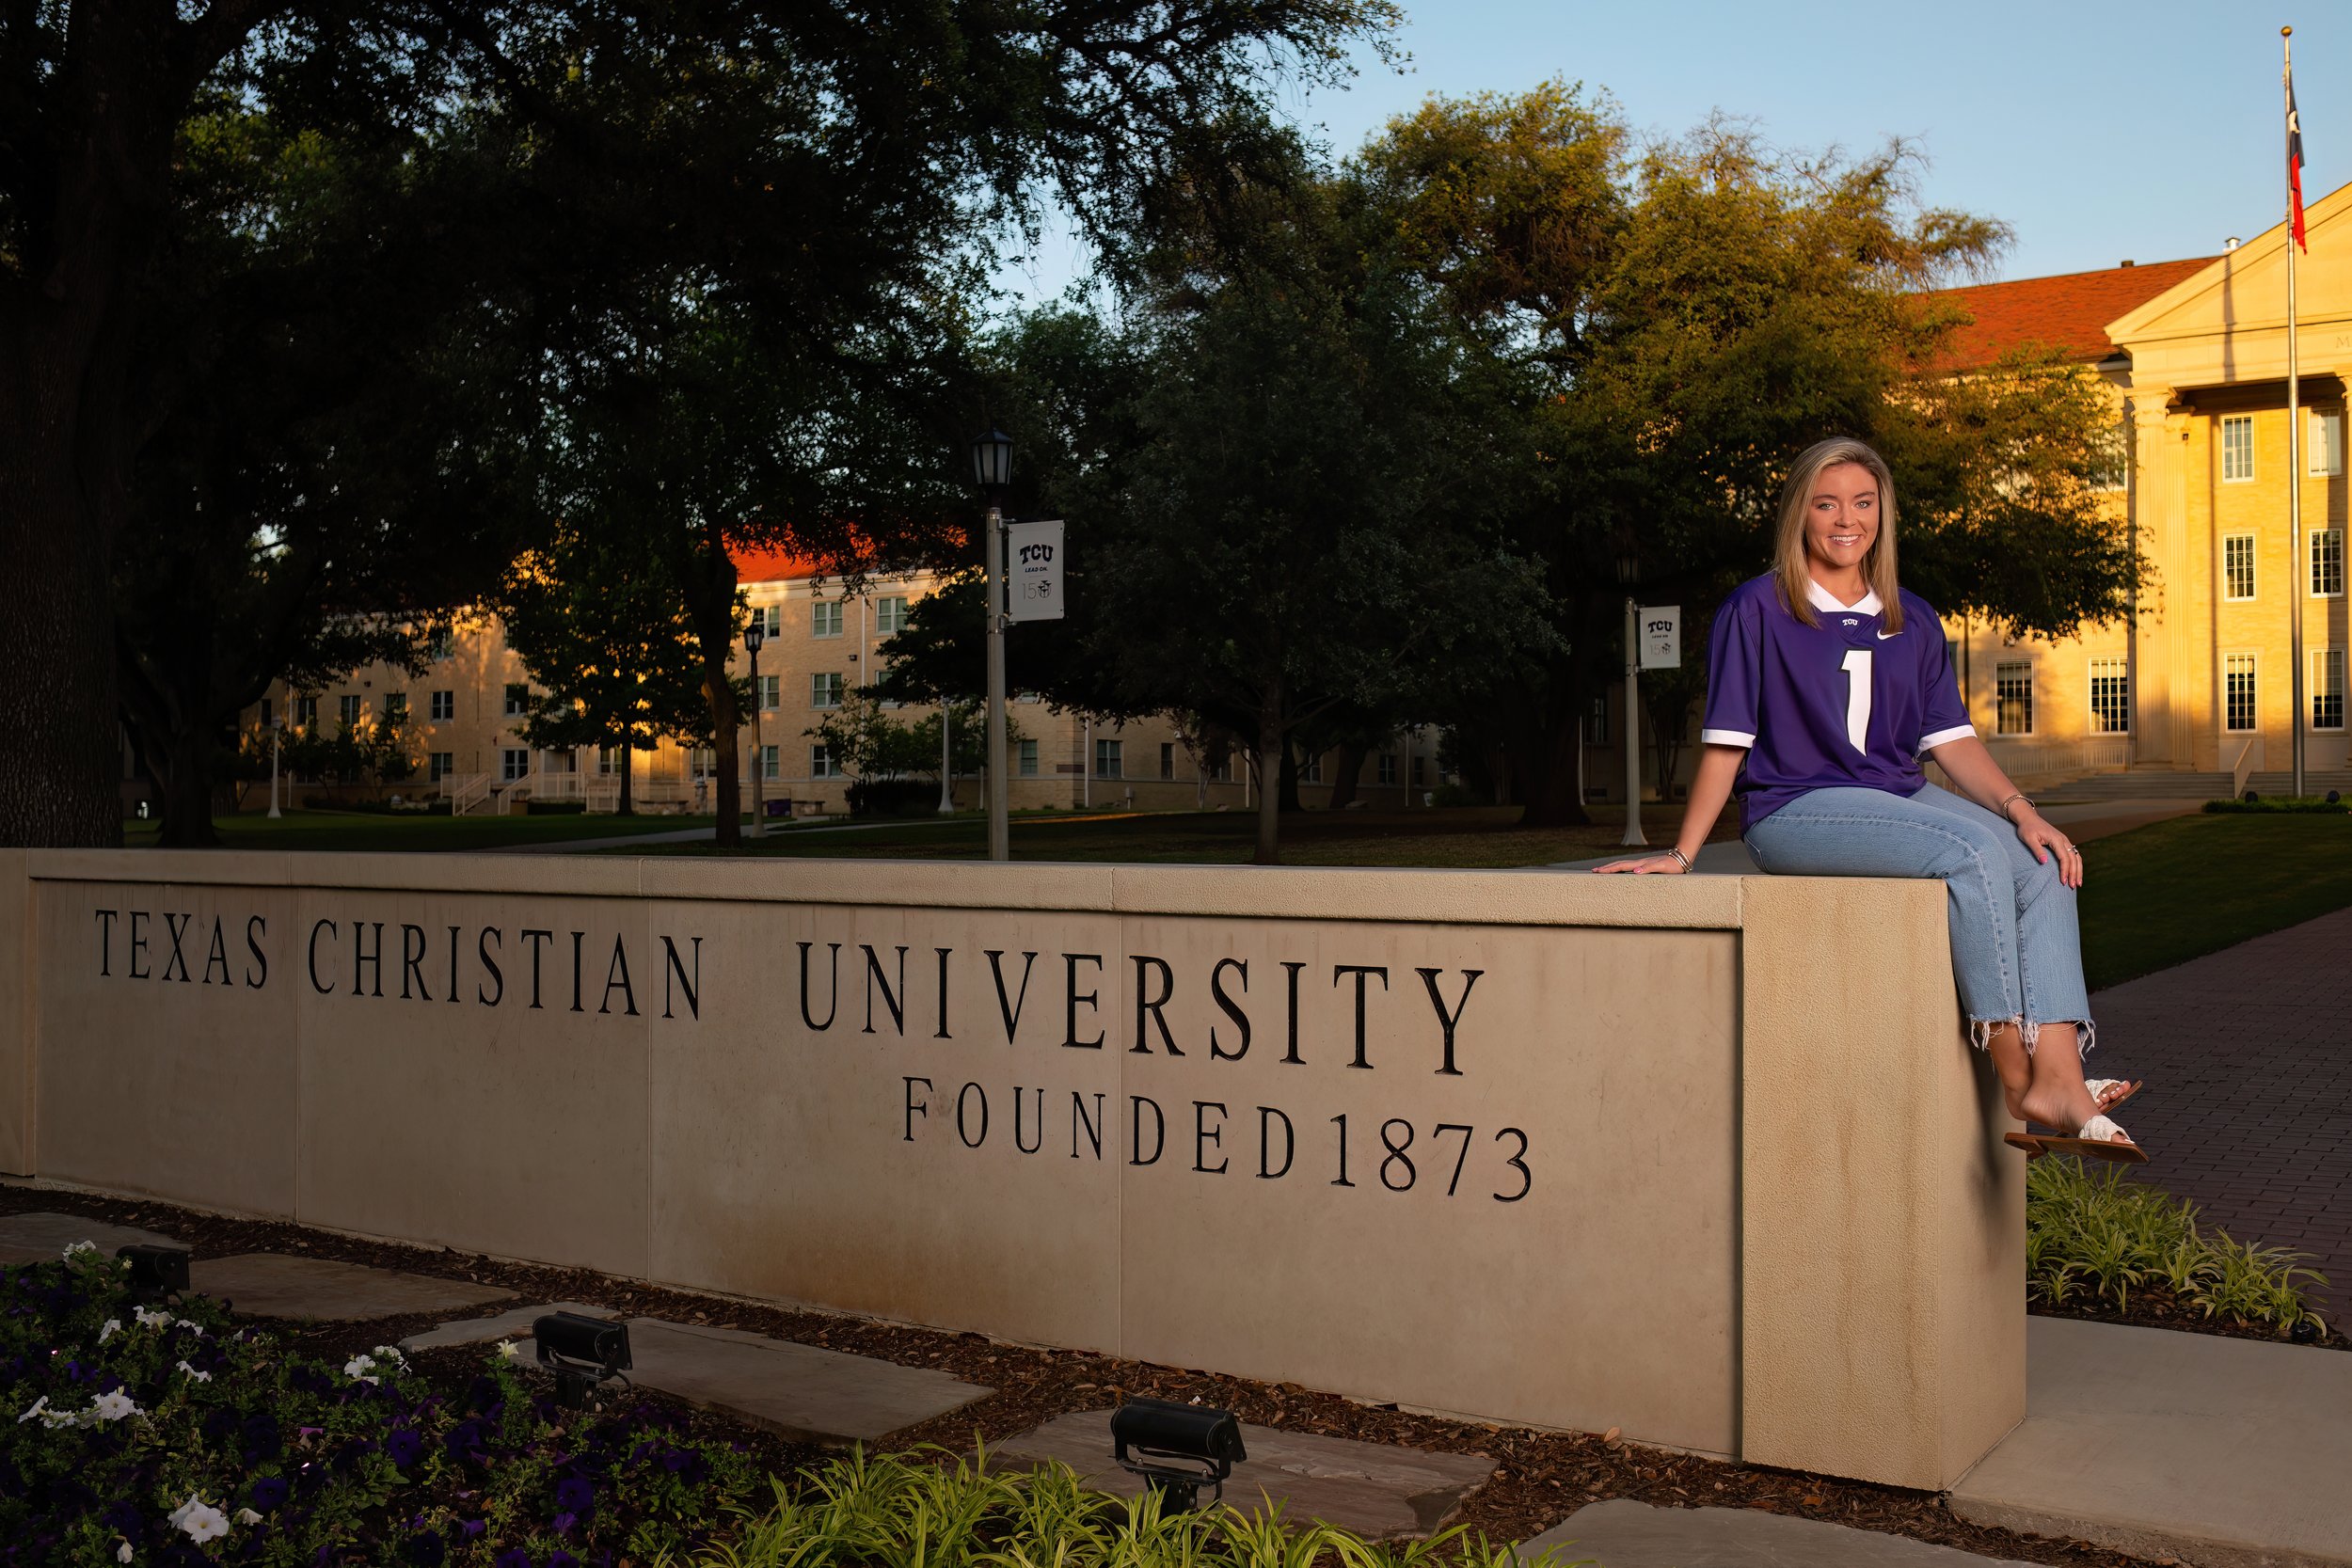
x,y
122,1553
114,1405
39,1407
151,1320
359,1365
113,1327
200,1520
79,1247
247,1517
200,1377
506,1349
184,1322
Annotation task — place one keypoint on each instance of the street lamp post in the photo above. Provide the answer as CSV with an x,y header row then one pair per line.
x,y
992,467
753,635
1628,568
277,737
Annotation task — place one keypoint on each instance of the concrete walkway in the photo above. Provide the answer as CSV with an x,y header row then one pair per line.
x,y
2223,1454
1623,1533
2247,1112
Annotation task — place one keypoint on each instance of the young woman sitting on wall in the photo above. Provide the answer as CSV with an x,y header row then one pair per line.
x,y
1828,682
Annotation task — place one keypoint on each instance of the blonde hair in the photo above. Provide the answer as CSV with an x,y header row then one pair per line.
x,y
1878,566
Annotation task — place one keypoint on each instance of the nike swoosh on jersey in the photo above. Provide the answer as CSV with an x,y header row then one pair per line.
x,y
1885,634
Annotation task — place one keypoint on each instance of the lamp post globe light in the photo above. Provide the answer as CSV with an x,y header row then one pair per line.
x,y
753,635
992,469
1628,573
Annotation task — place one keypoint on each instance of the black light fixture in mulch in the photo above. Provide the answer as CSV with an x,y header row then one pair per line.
x,y
1178,1448
155,1273
581,1351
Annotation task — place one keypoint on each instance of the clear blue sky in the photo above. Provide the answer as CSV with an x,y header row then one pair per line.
x,y
2097,130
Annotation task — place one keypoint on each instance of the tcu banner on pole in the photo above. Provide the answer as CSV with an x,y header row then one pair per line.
x,y
1034,559
1661,637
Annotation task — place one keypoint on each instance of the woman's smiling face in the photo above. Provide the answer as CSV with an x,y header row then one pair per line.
x,y
1841,517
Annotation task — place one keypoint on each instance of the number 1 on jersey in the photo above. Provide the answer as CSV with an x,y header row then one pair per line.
x,y
1857,668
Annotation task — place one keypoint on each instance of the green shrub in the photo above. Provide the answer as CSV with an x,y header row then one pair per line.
x,y
2310,804
2098,1235
879,796
900,1512
554,808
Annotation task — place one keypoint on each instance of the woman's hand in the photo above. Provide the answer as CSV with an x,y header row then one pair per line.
x,y
1649,865
2037,835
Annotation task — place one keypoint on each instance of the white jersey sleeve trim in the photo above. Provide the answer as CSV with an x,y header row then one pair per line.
x,y
1730,738
1941,737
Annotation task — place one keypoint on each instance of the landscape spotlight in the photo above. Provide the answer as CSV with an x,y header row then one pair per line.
x,y
581,1351
1178,1448
156,1271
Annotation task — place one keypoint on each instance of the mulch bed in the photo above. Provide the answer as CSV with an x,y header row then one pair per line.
x,y
1541,1478
2153,1307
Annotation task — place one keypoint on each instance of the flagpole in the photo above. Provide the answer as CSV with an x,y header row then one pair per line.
x,y
2300,567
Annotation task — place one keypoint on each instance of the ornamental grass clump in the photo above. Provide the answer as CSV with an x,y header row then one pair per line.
x,y
934,1510
138,1435
2093,1234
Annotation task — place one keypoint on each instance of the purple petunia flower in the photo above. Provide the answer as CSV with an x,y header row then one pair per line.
x,y
405,1447
427,1551
268,1493
562,1559
471,1528
564,1523
573,1495
514,1557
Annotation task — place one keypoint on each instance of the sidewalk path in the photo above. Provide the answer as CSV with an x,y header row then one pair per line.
x,y
2247,1112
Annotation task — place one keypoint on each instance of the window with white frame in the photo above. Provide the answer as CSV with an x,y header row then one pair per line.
x,y
2111,696
703,762
2237,566
2326,689
1109,759
820,763
396,707
2237,447
267,709
306,713
771,688
890,615
768,618
2111,462
824,618
1386,775
347,711
2327,441
824,688
1311,772
518,699
1420,771
441,645
2328,562
443,706
2013,698
1596,732
2238,693
771,762
440,765
514,762
1167,759
1028,759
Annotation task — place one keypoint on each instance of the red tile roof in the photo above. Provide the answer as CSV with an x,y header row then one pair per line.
x,y
756,564
2069,313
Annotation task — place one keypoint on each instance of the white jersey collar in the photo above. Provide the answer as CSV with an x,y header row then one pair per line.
x,y
1823,600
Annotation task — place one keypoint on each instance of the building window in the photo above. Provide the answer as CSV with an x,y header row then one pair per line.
x,y
518,699
771,762
1167,759
1420,771
2328,562
768,618
2111,696
770,688
441,645
2327,449
703,762
267,713
2111,461
1311,772
2237,447
2237,674
1108,759
1388,768
1596,732
563,762
440,765
1028,759
396,707
347,711
2237,566
824,690
890,616
2013,698
442,706
2326,689
820,763
514,762
306,713
824,618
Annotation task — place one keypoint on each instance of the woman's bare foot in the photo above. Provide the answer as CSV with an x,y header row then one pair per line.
x,y
2046,1086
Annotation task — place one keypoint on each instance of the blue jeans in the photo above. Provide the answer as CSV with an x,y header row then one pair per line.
x,y
2016,951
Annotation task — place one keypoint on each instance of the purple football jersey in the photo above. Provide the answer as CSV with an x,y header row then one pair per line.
x,y
1841,703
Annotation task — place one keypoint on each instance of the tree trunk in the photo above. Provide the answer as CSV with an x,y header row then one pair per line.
x,y
1349,775
705,575
184,778
1290,771
1554,794
628,771
1271,743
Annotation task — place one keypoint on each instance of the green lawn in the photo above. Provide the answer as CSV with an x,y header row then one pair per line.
x,y
2173,891
370,831
1455,837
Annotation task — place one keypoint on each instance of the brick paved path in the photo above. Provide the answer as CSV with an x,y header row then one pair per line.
x,y
2247,1112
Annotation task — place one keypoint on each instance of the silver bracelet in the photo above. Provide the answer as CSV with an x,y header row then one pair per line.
x,y
2003,808
1679,855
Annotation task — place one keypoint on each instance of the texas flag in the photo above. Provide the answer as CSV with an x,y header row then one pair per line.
x,y
2295,167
